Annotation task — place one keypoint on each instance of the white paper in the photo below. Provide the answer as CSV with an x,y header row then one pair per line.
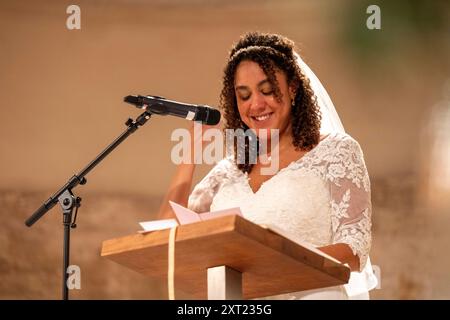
x,y
158,225
184,216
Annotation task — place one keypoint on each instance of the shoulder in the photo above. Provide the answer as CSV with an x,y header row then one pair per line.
x,y
340,148
345,159
341,138
226,165
338,142
224,169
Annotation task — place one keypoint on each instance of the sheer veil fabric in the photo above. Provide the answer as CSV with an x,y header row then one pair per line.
x,y
330,119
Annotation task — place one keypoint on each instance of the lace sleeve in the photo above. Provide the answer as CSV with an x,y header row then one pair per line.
x,y
350,199
202,196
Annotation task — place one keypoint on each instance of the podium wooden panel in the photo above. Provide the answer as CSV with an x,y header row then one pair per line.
x,y
270,263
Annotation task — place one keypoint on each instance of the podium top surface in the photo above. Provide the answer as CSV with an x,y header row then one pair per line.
x,y
270,263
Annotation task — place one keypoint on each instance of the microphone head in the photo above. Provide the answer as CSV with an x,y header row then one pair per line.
x,y
207,115
133,100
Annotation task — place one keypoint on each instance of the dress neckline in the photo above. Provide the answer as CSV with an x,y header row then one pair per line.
x,y
292,163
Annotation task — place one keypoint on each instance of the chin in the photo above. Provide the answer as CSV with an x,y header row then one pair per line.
x,y
264,132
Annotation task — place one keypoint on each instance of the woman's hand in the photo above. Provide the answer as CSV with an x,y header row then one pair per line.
x,y
180,186
197,133
343,253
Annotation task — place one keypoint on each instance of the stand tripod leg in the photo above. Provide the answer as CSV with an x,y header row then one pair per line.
x,y
68,203
66,254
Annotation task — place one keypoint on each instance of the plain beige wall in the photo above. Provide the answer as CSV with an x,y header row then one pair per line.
x,y
61,91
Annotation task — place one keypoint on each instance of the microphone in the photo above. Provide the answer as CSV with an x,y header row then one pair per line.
x,y
162,106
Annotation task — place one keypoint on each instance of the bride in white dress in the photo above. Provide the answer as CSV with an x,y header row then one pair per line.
x,y
321,192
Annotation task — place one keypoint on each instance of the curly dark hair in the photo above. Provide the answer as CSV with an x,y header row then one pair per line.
x,y
271,52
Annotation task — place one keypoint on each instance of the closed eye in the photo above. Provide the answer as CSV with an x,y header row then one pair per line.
x,y
244,98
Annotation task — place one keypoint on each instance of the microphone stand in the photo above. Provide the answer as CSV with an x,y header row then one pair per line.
x,y
69,201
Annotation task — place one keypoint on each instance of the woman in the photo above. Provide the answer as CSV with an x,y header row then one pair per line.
x,y
321,192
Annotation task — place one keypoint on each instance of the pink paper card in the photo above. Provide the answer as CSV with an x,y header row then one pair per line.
x,y
185,215
220,213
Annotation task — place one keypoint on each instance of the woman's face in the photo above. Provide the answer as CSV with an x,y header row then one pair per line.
x,y
257,104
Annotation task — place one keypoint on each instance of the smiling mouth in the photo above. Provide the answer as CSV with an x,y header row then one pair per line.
x,y
262,117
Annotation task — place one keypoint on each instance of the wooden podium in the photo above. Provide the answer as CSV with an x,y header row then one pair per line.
x,y
266,263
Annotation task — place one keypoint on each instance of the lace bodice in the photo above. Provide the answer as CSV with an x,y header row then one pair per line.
x,y
323,198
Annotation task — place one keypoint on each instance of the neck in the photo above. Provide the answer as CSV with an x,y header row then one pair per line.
x,y
284,141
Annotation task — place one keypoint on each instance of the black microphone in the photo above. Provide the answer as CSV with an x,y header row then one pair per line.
x,y
162,106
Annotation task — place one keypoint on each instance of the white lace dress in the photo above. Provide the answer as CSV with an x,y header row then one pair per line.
x,y
323,198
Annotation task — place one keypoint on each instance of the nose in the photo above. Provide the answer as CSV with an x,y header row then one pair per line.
x,y
258,102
